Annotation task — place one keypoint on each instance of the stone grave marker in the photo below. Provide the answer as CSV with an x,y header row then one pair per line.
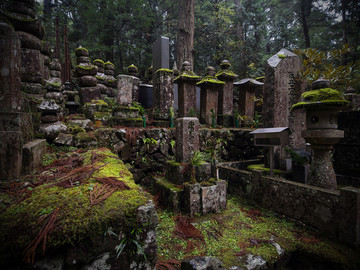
x,y
282,89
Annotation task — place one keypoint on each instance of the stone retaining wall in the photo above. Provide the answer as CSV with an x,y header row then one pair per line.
x,y
335,213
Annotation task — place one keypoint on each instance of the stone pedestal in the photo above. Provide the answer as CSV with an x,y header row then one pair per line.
x,y
226,95
321,172
127,89
186,90
187,138
246,99
209,89
163,93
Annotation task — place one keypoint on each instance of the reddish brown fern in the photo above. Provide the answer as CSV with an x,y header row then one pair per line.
x,y
131,135
42,236
185,230
170,264
100,193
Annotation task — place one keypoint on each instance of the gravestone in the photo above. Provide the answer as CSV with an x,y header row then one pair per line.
x,y
282,89
226,95
187,138
160,53
247,88
186,89
163,90
210,87
128,87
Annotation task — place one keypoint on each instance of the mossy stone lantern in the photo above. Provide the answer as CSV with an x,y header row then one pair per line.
x,y
321,106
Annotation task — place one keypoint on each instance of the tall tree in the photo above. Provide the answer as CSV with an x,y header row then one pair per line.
x,y
185,37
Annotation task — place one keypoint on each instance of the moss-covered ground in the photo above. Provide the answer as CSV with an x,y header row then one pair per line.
x,y
76,195
240,230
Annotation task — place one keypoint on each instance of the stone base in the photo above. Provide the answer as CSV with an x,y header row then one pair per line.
x,y
32,155
170,194
161,123
299,173
126,112
128,122
225,120
10,154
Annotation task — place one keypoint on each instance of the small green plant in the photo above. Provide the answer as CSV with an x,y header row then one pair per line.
x,y
197,159
172,143
257,121
191,112
141,108
130,241
172,115
150,141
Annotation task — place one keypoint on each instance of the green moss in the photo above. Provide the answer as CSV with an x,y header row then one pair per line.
x,y
321,97
100,78
165,183
210,80
102,116
175,163
99,61
75,129
240,230
81,49
262,167
76,220
281,55
125,109
188,75
165,70
226,73
109,63
85,137
225,65
87,67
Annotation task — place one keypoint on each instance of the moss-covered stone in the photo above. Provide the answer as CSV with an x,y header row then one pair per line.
x,y
81,51
99,62
325,97
226,74
76,219
75,129
188,75
165,70
211,80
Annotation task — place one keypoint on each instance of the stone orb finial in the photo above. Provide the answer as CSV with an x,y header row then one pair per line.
x,y
225,64
132,69
320,83
210,71
186,66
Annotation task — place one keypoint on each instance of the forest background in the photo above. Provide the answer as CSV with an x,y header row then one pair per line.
x,y
245,32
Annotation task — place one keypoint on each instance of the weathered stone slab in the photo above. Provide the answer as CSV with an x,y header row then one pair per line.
x,y
32,66
192,199
160,53
163,93
213,198
87,94
187,138
281,91
52,130
10,96
349,218
32,155
126,88
10,154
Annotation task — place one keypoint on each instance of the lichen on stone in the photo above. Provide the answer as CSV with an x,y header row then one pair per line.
x,y
187,75
210,80
165,70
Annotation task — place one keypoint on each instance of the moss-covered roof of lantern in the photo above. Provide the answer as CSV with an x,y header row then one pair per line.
x,y
86,67
210,80
99,61
325,97
226,74
165,70
187,75
109,63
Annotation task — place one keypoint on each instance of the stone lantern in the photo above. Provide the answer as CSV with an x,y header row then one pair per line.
x,y
321,106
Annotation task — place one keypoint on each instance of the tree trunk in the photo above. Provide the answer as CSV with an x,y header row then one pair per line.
x,y
344,21
305,10
185,37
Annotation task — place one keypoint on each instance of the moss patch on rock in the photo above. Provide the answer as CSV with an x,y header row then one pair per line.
x,y
187,75
30,206
210,80
321,97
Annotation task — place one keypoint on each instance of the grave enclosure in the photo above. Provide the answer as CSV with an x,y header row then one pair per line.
x,y
36,106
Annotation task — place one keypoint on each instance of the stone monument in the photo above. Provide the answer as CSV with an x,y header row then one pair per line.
x,y
210,87
187,89
282,89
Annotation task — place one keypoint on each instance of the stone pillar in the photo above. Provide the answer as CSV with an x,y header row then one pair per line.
x,y
226,96
209,88
187,89
110,80
187,138
10,104
128,87
281,91
101,78
246,99
163,93
160,53
86,72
